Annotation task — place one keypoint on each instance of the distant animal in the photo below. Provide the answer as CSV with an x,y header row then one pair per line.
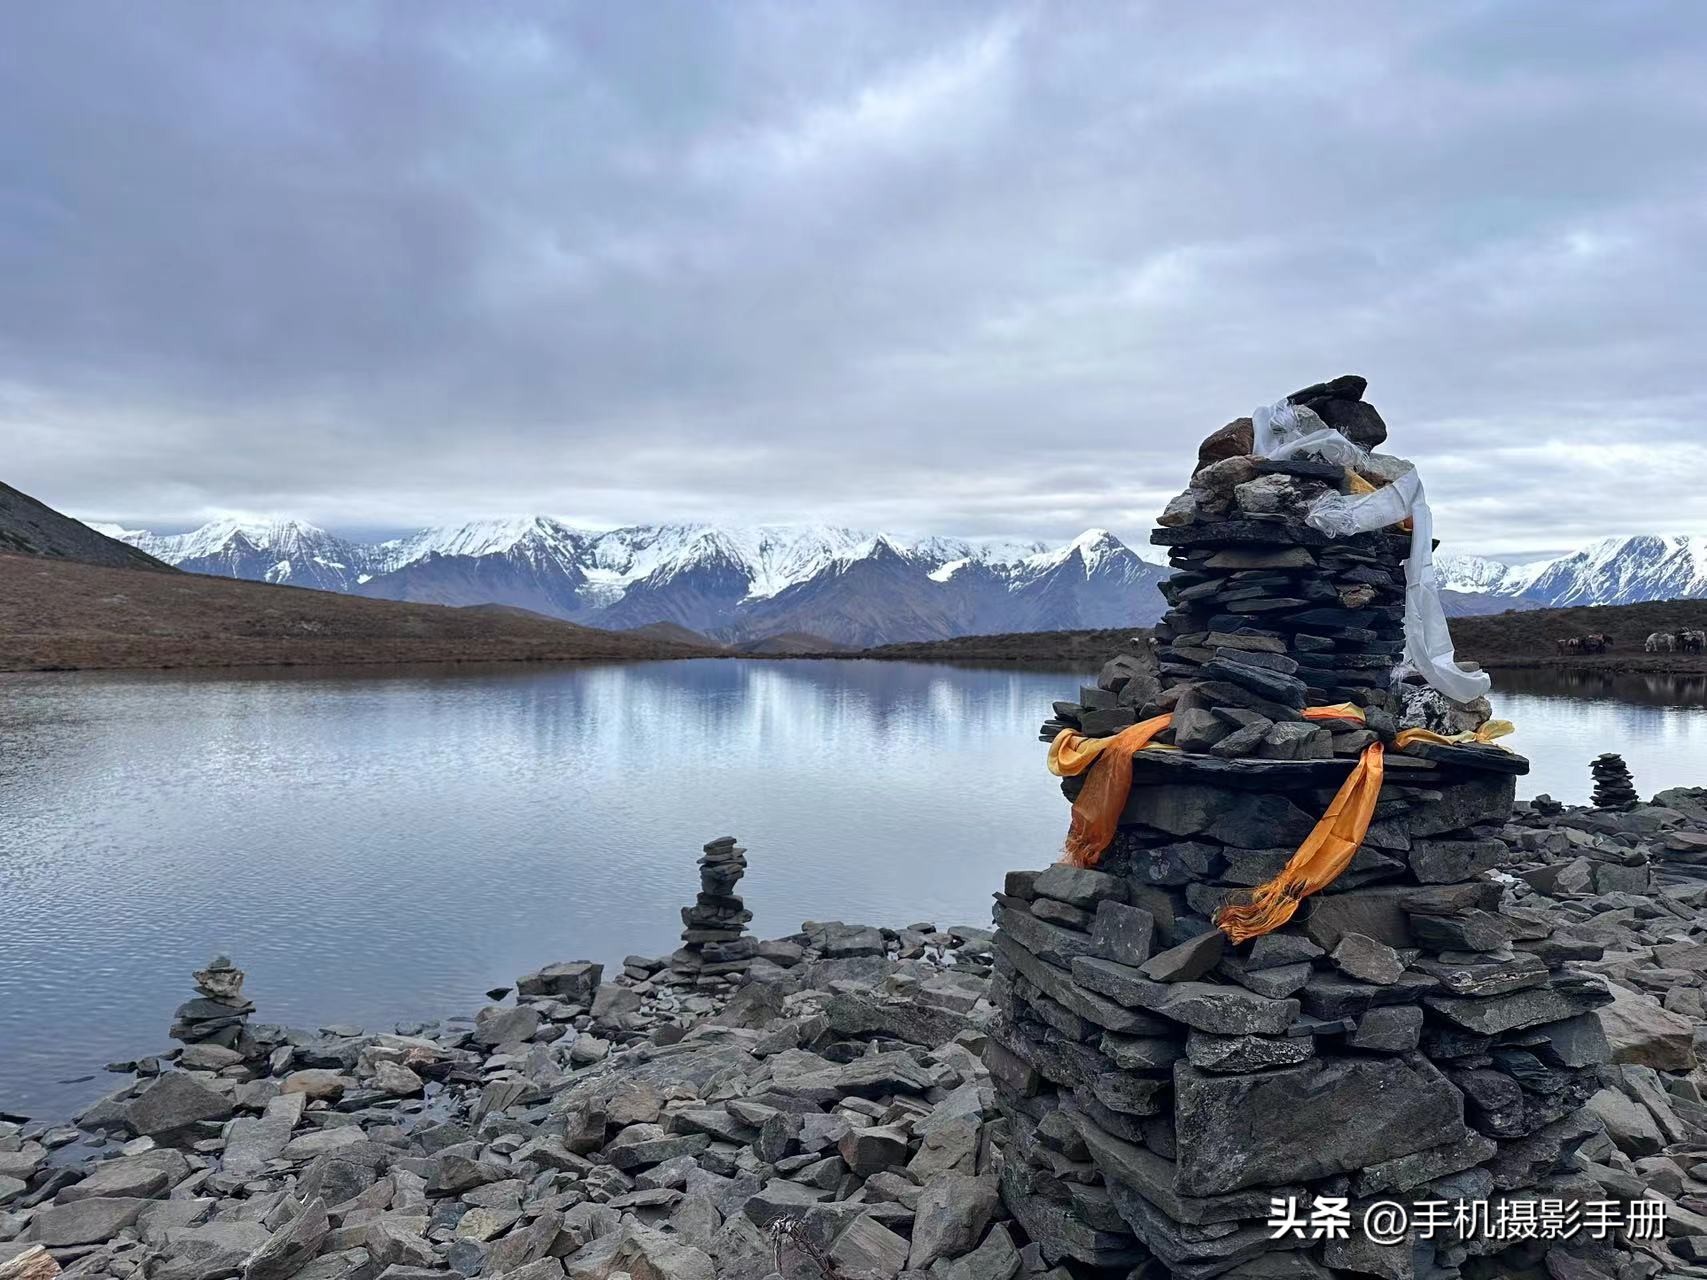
x,y
1567,644
1661,642
1597,642
1692,641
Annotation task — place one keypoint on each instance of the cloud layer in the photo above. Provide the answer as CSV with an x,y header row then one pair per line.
x,y
934,267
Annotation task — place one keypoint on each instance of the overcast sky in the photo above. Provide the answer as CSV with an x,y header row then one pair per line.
x,y
976,269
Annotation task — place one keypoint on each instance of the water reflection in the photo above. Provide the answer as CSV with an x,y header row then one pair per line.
x,y
373,846
1650,689
1565,718
379,847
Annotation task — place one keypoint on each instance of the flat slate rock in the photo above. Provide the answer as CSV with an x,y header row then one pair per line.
x,y
1291,1124
1244,773
1465,755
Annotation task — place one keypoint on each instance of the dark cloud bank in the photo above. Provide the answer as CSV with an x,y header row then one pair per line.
x,y
959,268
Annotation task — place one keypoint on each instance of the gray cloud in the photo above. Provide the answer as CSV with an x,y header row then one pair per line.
x,y
941,267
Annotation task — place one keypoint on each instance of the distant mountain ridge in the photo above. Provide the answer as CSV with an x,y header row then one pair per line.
x,y
742,584
1623,570
737,584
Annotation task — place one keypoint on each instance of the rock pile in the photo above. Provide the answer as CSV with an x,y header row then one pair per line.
x,y
1613,786
1401,1038
835,1109
716,947
215,1022
832,1121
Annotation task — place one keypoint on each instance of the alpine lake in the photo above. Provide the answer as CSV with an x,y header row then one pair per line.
x,y
381,846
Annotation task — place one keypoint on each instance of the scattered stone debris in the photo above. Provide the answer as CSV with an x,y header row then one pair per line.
x,y
829,1118
1613,786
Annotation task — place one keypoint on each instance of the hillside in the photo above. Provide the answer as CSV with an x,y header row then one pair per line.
x,y
1528,638
1520,638
60,615
1088,649
32,528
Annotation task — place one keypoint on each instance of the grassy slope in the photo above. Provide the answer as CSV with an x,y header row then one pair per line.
x,y
1528,638
1522,638
57,615
1075,648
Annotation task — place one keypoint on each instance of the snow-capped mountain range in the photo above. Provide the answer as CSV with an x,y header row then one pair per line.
x,y
850,586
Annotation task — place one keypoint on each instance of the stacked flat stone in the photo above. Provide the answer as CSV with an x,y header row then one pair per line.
x,y
219,1012
1401,1038
716,947
1613,786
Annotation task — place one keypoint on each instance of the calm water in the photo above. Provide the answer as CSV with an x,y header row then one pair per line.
x,y
375,847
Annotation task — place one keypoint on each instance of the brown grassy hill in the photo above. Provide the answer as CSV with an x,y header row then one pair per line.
x,y
1054,648
675,633
1520,638
58,615
32,528
792,644
1529,637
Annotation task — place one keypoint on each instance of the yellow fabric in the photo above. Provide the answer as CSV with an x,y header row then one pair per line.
x,y
1485,735
1096,811
1326,851
1319,860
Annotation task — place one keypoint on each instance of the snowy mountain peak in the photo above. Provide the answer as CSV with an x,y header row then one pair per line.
x,y
1093,547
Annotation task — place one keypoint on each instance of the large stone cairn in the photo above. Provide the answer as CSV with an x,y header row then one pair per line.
x,y
1613,786
716,947
1400,1038
218,1014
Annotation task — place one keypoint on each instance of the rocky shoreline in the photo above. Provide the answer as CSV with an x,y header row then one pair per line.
x,y
824,1112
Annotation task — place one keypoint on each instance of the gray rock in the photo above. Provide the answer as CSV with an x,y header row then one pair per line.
x,y
1191,959
1362,957
1078,886
575,982
1627,1123
1121,933
1246,1053
213,1249
1388,1029
952,1214
1273,950
1289,1125
1496,1014
147,1176
171,1104
1224,1010
1449,861
292,1246
1641,1032
496,1027
82,1222
253,1141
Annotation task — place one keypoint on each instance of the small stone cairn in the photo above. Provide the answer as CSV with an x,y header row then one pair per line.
x,y
1613,786
716,947
219,1012
1407,1035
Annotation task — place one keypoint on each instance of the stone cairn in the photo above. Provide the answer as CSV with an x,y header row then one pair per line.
x,y
218,1014
716,947
1613,786
1400,1038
